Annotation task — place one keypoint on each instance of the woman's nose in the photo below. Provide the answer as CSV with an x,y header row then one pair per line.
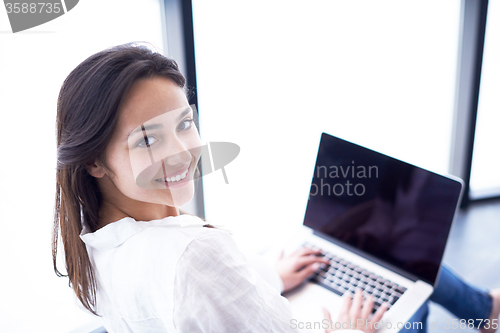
x,y
177,154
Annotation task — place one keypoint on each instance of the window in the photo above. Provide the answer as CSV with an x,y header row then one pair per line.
x,y
271,76
485,176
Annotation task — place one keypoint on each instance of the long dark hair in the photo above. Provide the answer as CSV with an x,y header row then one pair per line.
x,y
87,111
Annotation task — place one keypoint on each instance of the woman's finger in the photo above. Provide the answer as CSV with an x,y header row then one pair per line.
x,y
356,305
307,260
346,304
327,314
308,270
380,312
367,307
305,251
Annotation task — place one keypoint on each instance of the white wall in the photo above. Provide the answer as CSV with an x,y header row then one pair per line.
x,y
272,75
486,160
33,65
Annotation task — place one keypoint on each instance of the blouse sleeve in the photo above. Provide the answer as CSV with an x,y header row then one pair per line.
x,y
216,290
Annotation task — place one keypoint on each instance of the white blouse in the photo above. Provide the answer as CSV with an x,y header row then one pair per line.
x,y
173,275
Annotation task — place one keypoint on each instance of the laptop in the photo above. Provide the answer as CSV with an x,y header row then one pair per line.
x,y
383,224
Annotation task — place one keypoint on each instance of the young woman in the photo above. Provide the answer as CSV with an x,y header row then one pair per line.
x,y
128,155
130,256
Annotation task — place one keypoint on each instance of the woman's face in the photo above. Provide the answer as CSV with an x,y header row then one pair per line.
x,y
155,146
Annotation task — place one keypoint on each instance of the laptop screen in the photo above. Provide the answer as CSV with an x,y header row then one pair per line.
x,y
381,207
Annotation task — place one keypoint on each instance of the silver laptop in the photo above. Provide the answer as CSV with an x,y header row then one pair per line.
x,y
382,223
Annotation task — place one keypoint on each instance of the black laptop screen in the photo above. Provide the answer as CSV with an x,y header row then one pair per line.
x,y
381,206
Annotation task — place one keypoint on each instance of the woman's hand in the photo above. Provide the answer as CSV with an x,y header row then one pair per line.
x,y
354,315
296,267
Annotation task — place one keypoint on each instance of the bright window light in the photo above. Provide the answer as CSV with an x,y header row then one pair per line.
x,y
485,176
272,75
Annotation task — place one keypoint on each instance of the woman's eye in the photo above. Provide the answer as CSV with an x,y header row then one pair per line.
x,y
186,124
149,140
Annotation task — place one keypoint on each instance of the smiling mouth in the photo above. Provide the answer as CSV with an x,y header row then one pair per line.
x,y
174,179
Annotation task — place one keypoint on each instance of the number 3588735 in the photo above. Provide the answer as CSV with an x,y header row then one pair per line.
x,y
32,8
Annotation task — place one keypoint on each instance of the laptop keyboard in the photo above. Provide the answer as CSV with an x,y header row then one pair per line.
x,y
342,276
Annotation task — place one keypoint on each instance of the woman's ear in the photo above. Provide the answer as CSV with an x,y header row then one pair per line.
x,y
95,170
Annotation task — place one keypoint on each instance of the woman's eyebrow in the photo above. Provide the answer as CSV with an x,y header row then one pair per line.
x,y
185,112
156,126
148,127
